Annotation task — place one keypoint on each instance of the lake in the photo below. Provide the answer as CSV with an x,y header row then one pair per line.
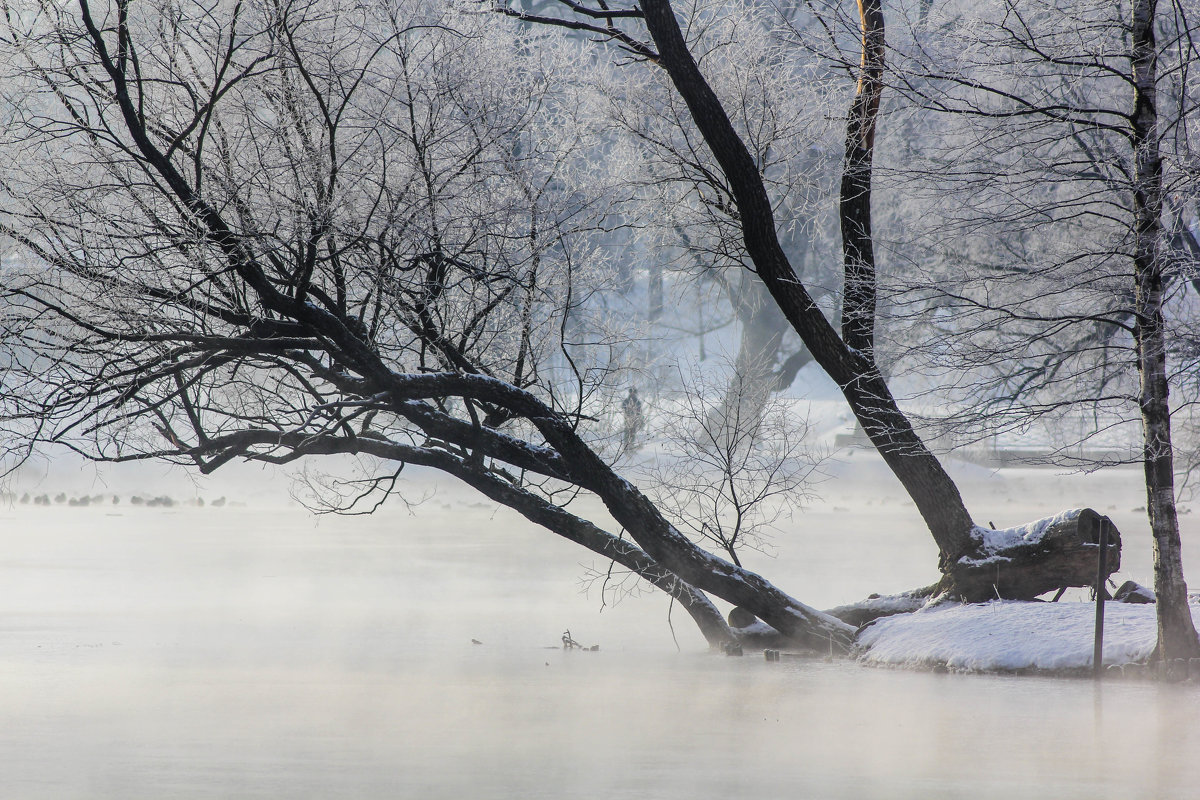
x,y
259,651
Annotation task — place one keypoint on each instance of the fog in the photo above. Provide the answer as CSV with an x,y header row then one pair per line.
x,y
254,650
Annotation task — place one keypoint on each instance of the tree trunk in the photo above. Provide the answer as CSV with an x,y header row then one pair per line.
x,y
858,252
1022,563
702,611
1176,631
654,292
535,508
932,490
804,625
576,463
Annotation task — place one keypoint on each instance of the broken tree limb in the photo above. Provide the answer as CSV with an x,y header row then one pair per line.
x,y
879,606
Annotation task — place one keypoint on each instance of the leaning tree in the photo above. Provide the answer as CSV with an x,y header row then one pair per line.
x,y
282,230
341,231
975,564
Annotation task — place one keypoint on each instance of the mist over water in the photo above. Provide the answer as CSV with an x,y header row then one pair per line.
x,y
259,651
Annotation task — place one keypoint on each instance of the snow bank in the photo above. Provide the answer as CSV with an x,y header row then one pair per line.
x,y
1009,635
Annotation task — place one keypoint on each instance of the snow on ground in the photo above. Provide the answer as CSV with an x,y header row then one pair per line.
x,y
1009,635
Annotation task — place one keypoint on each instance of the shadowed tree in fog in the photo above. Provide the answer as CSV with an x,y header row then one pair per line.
x,y
652,32
343,231
730,469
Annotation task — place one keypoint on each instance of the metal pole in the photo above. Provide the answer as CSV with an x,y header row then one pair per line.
x,y
1101,564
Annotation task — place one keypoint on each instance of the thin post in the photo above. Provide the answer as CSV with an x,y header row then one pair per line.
x,y
1101,569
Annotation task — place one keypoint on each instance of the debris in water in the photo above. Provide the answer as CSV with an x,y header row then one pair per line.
x,y
569,643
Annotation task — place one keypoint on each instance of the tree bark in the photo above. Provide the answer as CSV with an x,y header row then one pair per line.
x,y
1176,631
858,252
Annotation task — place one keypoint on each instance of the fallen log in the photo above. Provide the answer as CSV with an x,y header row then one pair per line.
x,y
1011,564
1023,562
877,606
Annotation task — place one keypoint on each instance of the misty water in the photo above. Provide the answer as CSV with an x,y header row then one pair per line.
x,y
259,651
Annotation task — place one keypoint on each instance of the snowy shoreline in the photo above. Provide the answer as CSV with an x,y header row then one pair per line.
x,y
1009,636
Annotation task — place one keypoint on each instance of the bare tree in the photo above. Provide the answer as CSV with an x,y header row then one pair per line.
x,y
1062,154
344,231
1176,632
370,231
652,32
729,471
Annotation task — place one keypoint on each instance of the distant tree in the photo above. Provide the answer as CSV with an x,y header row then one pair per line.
x,y
684,212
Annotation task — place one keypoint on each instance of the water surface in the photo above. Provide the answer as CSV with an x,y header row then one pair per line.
x,y
260,652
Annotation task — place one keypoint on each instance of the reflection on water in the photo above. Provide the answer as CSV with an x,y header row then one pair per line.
x,y
243,653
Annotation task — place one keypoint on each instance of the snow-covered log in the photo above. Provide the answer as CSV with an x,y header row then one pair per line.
x,y
878,606
1023,562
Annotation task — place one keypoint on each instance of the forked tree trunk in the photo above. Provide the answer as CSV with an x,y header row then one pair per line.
x,y
931,489
1176,631
849,359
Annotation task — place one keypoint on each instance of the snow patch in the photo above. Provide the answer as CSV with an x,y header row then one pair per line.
x,y
995,542
1009,635
756,628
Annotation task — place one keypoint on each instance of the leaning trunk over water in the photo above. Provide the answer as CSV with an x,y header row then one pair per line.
x,y
1176,631
932,490
848,358
327,345
576,529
